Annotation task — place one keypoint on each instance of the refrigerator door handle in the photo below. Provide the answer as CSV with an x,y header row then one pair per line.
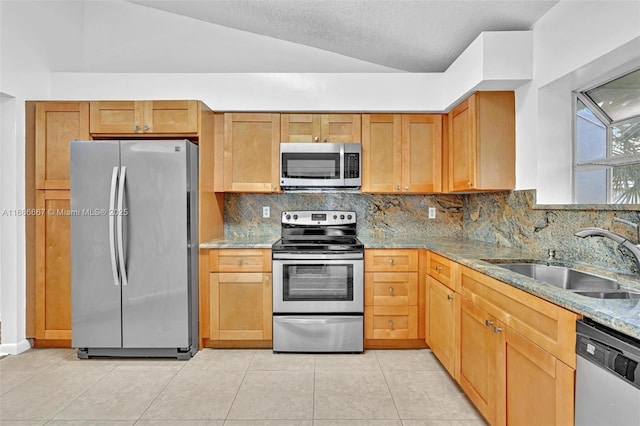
x,y
112,227
119,229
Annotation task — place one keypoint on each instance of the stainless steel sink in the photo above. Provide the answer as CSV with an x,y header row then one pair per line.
x,y
562,277
578,282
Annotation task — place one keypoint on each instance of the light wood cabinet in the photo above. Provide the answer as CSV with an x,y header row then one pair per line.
x,y
481,148
57,124
145,117
251,152
441,323
336,128
239,297
513,349
402,153
392,291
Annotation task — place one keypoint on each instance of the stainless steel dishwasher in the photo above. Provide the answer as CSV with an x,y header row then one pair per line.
x,y
607,376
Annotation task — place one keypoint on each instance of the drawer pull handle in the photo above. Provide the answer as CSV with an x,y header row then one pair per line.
x,y
391,324
266,278
240,261
488,323
137,128
438,268
390,289
450,296
497,330
390,261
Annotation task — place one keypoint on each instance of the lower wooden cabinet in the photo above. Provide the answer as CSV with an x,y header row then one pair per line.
x,y
236,298
441,322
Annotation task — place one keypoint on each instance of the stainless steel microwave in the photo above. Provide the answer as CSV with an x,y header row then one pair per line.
x,y
320,165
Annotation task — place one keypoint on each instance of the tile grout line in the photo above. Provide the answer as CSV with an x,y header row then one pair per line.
x,y
226,417
159,393
389,389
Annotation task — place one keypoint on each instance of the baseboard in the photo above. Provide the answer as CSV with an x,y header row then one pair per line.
x,y
15,348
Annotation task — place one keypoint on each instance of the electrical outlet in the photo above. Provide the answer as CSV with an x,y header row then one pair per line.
x,y
266,211
432,212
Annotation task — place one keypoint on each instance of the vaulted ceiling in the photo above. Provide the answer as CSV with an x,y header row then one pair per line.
x,y
402,35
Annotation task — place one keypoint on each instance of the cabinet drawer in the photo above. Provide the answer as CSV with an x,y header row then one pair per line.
x,y
549,326
385,260
391,325
440,268
240,260
391,289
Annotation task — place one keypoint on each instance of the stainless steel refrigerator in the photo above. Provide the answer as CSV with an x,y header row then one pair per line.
x,y
134,248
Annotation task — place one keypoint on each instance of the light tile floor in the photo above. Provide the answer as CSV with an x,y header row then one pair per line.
x,y
232,388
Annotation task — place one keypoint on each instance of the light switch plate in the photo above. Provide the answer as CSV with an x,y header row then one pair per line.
x,y
266,211
432,212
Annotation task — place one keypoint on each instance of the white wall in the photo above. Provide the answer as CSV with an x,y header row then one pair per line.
x,y
576,44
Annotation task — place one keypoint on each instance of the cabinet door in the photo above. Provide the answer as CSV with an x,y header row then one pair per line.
x,y
535,375
53,266
381,152
240,306
117,117
300,128
251,151
422,153
481,354
175,117
57,123
462,146
442,322
340,128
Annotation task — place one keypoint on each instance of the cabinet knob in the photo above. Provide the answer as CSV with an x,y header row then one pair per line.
x,y
390,261
137,128
390,289
391,324
324,139
406,187
316,139
450,296
275,187
497,330
146,128
438,268
469,184
488,323
398,187
240,261
267,278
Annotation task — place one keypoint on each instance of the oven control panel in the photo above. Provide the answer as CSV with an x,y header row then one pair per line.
x,y
322,217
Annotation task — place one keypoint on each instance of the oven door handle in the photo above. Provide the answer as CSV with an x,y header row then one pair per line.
x,y
316,257
326,320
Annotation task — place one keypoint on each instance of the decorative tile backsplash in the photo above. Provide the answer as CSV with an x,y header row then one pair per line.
x,y
507,219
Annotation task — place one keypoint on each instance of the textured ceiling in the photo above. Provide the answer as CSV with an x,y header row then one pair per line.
x,y
407,35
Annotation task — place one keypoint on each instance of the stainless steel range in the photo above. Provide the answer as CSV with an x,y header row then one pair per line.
x,y
318,283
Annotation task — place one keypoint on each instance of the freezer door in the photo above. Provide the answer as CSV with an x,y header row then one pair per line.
x,y
95,286
155,299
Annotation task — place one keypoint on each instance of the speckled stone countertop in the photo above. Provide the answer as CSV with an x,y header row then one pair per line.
x,y
620,314
253,241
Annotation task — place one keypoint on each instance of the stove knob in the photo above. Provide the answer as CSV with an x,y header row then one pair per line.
x,y
341,217
349,217
288,217
295,217
335,216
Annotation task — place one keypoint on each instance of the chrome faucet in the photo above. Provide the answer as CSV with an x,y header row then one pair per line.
x,y
624,242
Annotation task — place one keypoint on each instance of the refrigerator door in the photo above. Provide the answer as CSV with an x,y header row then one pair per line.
x,y
155,299
95,285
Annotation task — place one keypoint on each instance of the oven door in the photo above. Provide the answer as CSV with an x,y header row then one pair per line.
x,y
311,165
318,285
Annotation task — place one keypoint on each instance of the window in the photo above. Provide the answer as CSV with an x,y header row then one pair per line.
x,y
607,142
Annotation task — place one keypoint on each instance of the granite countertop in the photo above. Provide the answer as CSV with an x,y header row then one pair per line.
x,y
620,314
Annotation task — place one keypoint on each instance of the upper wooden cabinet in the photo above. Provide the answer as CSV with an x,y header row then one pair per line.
x,y
251,152
338,128
56,124
402,153
482,143
144,117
